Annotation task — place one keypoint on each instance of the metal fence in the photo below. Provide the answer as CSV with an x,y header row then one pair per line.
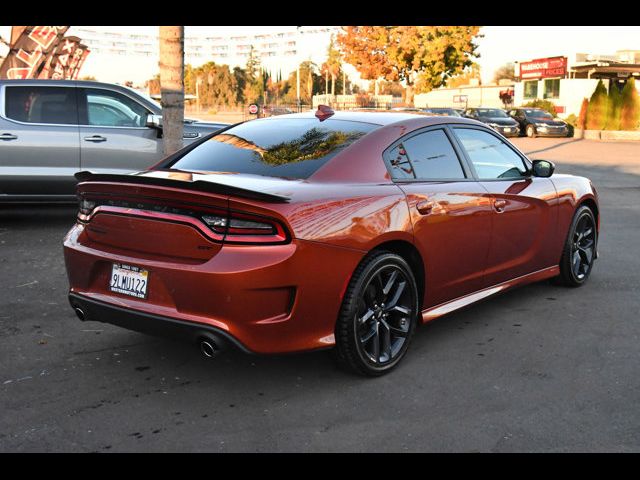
x,y
273,109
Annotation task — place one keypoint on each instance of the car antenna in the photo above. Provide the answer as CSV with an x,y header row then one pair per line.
x,y
324,112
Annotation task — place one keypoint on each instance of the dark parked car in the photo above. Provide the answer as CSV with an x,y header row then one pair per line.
x,y
496,118
52,129
448,112
537,122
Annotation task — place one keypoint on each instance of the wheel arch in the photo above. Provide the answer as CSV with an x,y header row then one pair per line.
x,y
593,205
410,253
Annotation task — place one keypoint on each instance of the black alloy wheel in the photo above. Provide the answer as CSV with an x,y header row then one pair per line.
x,y
378,315
580,249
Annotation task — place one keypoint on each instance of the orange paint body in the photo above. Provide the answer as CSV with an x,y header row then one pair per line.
x,y
285,297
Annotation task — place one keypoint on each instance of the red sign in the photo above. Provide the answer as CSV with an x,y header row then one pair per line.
x,y
31,51
544,68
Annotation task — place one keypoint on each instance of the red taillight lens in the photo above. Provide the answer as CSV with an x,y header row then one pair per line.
x,y
245,228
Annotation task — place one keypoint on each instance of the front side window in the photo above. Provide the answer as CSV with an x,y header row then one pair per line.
x,y
111,109
531,89
278,147
53,105
426,156
491,157
552,88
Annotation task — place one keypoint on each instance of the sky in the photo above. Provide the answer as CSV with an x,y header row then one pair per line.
x,y
499,45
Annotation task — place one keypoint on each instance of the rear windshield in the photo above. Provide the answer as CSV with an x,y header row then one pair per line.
x,y
290,148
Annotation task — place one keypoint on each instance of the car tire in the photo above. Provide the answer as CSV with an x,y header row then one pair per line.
x,y
531,131
579,252
378,316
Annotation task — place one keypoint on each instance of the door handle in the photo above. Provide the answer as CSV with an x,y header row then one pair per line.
x,y
8,136
95,138
499,205
425,207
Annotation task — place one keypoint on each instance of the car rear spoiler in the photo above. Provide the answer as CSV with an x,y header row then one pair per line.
x,y
197,185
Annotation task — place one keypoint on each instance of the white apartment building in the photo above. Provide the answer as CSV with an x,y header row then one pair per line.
x,y
124,54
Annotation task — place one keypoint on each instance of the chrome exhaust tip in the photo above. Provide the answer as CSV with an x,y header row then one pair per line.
x,y
208,348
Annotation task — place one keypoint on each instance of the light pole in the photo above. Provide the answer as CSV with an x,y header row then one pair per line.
x,y
198,83
298,65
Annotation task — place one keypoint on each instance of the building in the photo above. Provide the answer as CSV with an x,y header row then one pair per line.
x,y
474,95
119,55
567,84
553,78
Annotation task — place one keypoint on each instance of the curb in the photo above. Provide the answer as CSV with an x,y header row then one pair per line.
x,y
607,135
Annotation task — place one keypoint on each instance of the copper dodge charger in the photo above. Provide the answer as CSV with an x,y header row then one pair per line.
x,y
340,230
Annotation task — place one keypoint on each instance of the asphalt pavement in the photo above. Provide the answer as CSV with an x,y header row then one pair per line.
x,y
540,368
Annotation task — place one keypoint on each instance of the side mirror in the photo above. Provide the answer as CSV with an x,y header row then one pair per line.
x,y
543,168
154,121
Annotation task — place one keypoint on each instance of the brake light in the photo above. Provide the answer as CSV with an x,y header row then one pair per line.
x,y
85,207
246,228
232,227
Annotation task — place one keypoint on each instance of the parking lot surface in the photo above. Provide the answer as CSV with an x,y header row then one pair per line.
x,y
540,368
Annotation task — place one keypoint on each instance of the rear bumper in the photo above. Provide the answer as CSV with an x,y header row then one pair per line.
x,y
149,323
266,299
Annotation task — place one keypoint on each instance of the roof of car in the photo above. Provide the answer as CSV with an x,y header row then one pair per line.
x,y
376,118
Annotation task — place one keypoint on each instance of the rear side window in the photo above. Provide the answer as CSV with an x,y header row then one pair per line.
x,y
57,105
426,156
491,157
282,147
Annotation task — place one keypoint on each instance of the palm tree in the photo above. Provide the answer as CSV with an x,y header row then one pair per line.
x,y
334,63
172,87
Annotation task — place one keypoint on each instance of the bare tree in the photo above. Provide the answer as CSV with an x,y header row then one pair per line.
x,y
172,87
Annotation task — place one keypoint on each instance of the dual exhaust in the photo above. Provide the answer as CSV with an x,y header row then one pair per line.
x,y
210,345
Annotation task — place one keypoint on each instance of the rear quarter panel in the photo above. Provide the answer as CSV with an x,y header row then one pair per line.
x,y
572,192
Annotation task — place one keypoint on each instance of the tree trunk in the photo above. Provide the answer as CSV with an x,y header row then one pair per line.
x,y
408,99
172,87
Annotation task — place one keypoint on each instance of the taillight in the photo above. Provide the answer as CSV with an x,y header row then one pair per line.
x,y
85,207
232,227
245,228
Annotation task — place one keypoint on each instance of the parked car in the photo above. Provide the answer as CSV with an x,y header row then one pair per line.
x,y
271,111
496,118
340,229
538,122
451,112
52,129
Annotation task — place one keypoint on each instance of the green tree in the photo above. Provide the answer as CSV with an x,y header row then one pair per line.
x,y
598,106
310,82
613,113
582,117
630,107
333,64
253,91
240,76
